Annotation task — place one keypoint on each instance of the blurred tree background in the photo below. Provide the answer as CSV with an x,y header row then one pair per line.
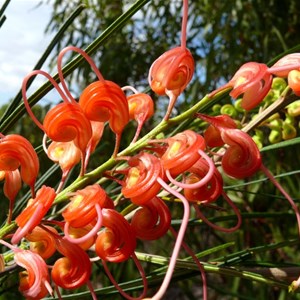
x,y
222,35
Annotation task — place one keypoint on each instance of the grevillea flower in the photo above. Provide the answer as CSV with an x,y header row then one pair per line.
x,y
73,269
66,154
286,64
83,233
84,208
182,152
172,71
152,220
212,134
42,241
252,80
34,280
141,108
16,152
76,127
294,81
141,184
67,115
117,241
97,132
242,159
12,185
208,192
32,215
102,100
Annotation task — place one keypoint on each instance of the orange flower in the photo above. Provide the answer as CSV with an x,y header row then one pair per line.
x,y
76,127
84,209
12,185
212,134
105,101
15,152
66,154
73,269
141,181
210,191
117,241
182,151
252,80
81,210
42,241
67,115
242,158
34,281
141,108
286,64
32,215
294,81
171,73
152,221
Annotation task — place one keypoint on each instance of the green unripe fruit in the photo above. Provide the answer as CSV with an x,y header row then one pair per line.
x,y
228,109
217,108
270,97
279,84
259,134
275,124
289,119
293,109
257,141
288,131
237,105
275,136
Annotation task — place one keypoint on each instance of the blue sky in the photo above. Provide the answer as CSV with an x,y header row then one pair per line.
x,y
22,41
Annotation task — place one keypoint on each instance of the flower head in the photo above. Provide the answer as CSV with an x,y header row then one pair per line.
x,y
141,181
252,80
16,152
32,215
171,73
34,282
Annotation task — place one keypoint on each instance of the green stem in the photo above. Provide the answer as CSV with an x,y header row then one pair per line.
x,y
4,6
209,268
6,229
161,127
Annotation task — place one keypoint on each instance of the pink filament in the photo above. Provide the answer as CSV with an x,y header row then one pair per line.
x,y
198,263
184,23
283,192
288,67
216,227
201,182
22,231
60,73
168,276
90,234
27,106
142,273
